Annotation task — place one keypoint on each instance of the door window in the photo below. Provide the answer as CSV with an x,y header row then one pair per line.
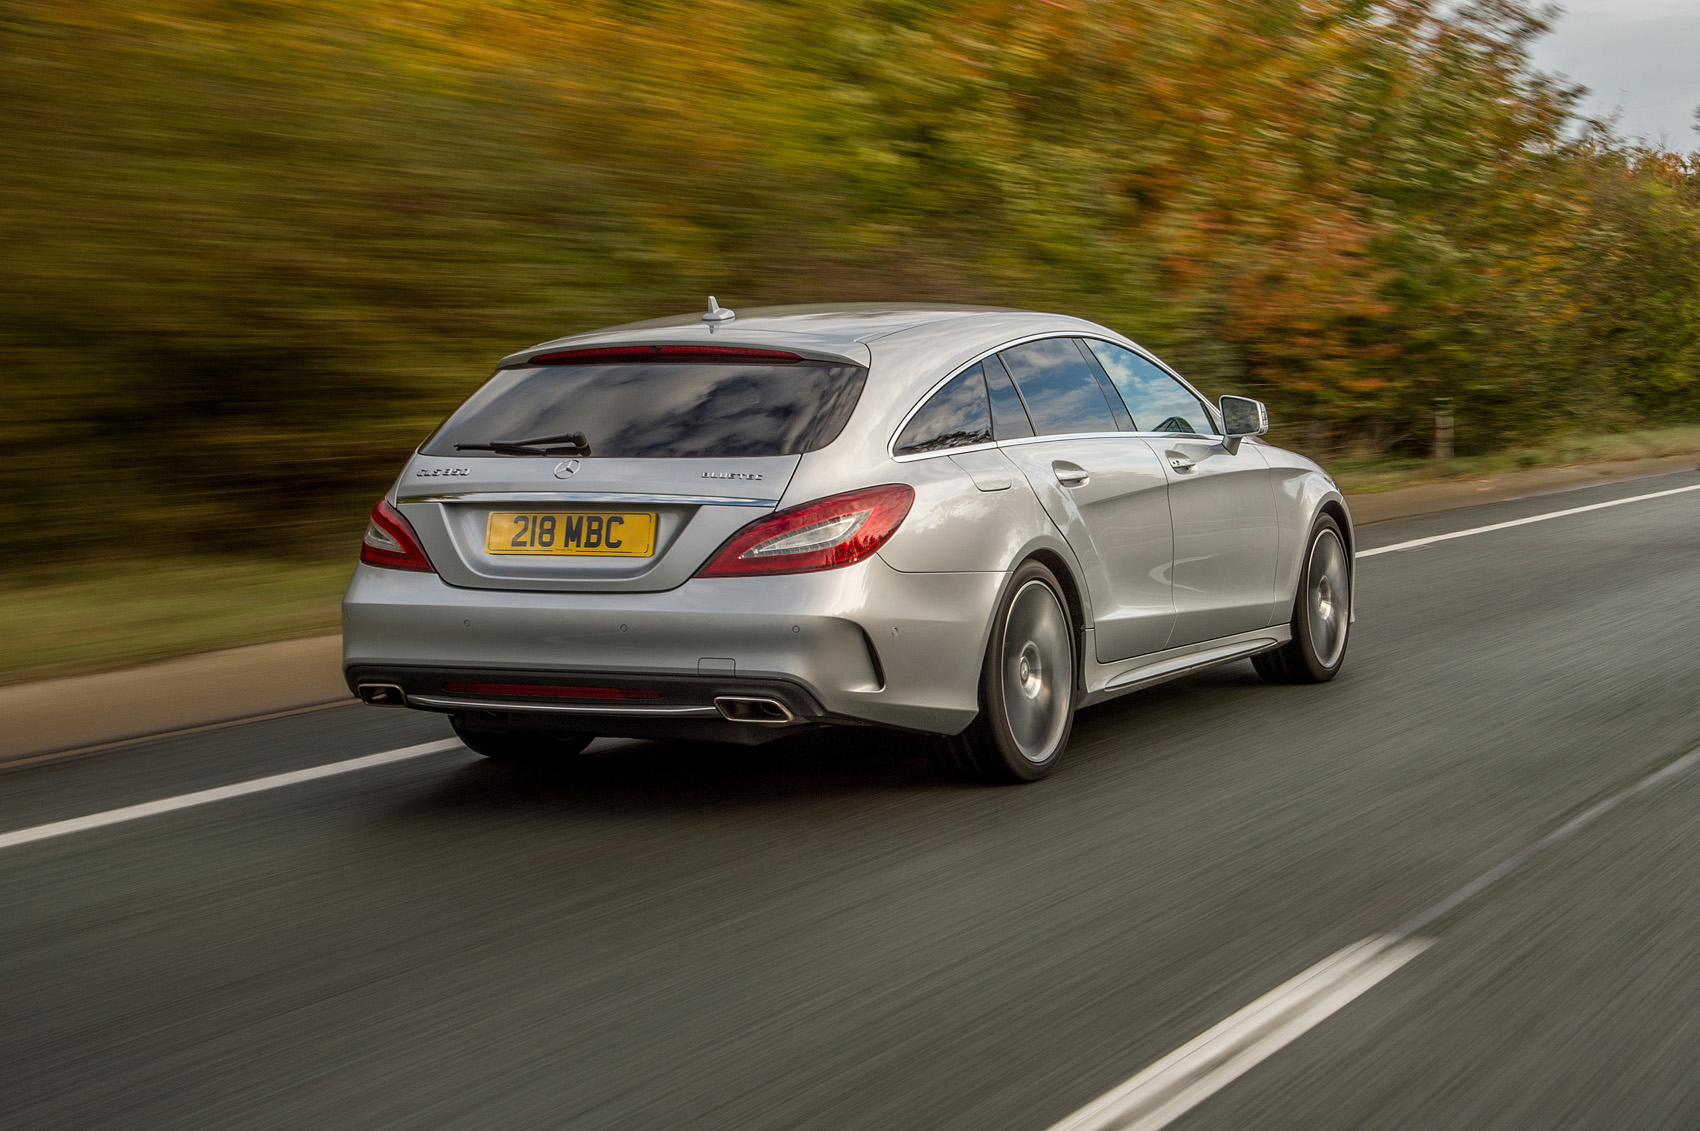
x,y
1159,403
954,417
1059,388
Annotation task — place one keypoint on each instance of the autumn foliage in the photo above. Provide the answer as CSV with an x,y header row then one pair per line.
x,y
255,249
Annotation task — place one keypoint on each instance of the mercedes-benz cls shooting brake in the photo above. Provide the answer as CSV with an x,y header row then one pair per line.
x,y
966,523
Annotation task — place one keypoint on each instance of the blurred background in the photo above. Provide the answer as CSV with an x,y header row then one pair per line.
x,y
255,250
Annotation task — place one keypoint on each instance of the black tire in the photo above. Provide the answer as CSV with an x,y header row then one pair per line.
x,y
1020,740
531,749
1313,655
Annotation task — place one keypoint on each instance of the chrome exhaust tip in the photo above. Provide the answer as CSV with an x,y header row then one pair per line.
x,y
750,709
381,695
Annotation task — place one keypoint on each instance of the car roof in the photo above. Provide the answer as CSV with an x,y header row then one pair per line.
x,y
822,330
856,321
907,348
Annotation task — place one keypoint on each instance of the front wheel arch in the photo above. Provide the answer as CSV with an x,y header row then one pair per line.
x,y
1298,660
1336,510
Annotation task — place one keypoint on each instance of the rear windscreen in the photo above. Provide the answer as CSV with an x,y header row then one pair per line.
x,y
662,410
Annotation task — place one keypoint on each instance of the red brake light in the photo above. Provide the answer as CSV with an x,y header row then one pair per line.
x,y
825,534
391,543
601,355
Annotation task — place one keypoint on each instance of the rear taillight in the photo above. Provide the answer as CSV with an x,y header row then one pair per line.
x,y
391,543
824,534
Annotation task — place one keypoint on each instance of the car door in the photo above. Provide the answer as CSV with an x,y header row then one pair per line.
x,y
1221,502
1103,487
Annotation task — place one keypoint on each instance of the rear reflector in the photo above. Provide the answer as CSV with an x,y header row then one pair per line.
x,y
391,543
548,691
603,355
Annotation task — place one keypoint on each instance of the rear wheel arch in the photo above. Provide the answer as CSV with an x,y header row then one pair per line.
x,y
1025,717
1059,568
1055,560
1072,595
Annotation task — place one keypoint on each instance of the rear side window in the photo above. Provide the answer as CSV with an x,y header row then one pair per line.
x,y
662,409
1061,392
954,417
1159,403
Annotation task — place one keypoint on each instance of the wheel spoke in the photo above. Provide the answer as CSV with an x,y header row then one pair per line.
x,y
1038,671
1328,597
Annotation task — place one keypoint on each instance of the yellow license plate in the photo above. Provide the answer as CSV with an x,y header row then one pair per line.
x,y
618,534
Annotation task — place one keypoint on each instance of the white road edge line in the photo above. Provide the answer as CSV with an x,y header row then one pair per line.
x,y
1210,1062
220,793
1433,538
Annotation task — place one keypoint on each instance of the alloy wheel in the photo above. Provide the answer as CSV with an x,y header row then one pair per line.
x,y
1328,597
1037,671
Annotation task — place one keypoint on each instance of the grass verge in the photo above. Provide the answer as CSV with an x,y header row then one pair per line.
x,y
108,614
1363,476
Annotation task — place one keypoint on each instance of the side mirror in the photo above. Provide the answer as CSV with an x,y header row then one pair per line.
x,y
1242,417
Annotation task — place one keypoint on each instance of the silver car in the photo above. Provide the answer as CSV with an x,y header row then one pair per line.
x,y
961,522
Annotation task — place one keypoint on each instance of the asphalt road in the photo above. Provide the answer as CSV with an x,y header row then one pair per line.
x,y
824,935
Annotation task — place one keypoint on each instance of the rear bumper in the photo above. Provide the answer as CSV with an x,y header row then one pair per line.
x,y
601,703
864,644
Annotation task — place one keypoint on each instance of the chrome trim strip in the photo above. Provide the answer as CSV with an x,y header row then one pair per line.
x,y
1168,437
936,452
584,497
1165,437
558,708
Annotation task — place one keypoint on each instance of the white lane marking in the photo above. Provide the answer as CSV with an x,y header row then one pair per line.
x,y
1564,832
1210,1062
219,793
1433,538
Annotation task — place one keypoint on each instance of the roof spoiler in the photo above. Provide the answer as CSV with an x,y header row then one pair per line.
x,y
702,344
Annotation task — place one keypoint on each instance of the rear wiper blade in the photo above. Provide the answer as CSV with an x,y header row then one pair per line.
x,y
566,444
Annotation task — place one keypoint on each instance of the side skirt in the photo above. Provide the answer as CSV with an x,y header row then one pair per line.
x,y
1106,681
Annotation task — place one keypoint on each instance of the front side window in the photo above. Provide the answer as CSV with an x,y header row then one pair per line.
x,y
1159,403
1060,390
954,417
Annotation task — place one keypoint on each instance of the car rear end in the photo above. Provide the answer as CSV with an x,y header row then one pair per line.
x,y
594,543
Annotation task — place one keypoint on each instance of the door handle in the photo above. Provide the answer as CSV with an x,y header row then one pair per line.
x,y
1181,463
1070,475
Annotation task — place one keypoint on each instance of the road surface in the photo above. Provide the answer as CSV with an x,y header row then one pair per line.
x,y
822,934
